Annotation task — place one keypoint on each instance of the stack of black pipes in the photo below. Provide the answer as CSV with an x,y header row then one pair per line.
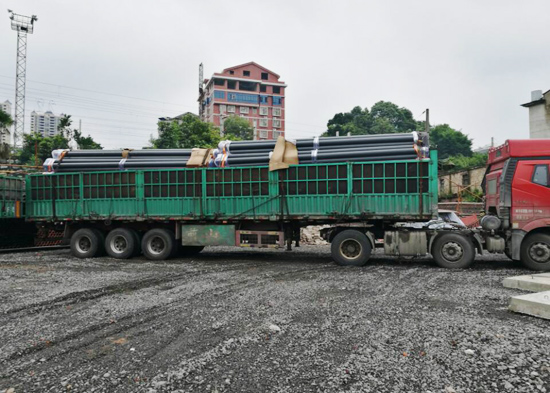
x,y
113,160
382,147
331,149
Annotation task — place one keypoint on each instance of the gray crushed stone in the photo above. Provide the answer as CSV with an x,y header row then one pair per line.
x,y
230,320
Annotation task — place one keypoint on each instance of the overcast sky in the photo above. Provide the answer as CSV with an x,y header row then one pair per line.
x,y
119,65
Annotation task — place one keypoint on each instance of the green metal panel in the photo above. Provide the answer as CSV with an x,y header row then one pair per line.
x,y
11,197
359,190
208,235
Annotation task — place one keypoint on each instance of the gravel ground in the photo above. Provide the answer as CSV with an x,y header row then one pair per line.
x,y
230,320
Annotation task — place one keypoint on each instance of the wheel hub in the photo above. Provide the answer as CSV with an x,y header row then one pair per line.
x,y
156,245
84,244
452,251
119,244
351,248
540,252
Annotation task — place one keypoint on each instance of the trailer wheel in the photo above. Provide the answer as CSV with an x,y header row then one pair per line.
x,y
120,243
86,243
350,248
453,251
535,252
189,251
158,244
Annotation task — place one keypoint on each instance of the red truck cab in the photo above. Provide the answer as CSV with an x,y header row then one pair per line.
x,y
517,188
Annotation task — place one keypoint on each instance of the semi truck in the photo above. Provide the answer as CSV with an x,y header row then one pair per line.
x,y
363,205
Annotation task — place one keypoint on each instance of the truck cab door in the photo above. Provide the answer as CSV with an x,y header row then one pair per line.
x,y
530,193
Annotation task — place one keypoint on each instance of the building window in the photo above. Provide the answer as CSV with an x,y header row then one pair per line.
x,y
276,111
276,134
219,94
265,76
231,108
466,179
276,90
264,111
263,99
276,123
243,109
254,110
263,122
246,73
219,82
242,97
540,175
247,86
276,100
223,109
263,134
263,89
232,85
231,72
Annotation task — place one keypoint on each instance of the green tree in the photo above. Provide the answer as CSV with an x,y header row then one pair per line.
x,y
450,142
5,119
186,133
5,122
83,142
399,119
237,128
463,162
383,118
36,143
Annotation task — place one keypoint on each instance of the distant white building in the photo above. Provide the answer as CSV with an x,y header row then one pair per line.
x,y
5,132
45,123
539,114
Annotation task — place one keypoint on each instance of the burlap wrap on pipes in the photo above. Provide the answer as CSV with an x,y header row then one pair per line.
x,y
284,154
199,158
125,153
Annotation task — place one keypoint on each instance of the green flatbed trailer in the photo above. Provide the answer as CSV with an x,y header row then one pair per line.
x,y
165,211
14,231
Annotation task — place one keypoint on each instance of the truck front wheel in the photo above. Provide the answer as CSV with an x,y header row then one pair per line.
x,y
350,248
453,251
535,252
158,244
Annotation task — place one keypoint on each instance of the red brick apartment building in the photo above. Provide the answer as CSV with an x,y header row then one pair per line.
x,y
247,90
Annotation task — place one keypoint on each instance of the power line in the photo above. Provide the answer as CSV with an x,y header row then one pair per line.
x,y
96,91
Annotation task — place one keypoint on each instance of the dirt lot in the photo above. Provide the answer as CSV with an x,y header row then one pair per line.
x,y
257,321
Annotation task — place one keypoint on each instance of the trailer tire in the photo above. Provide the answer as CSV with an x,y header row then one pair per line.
x,y
158,244
453,251
535,252
120,243
350,248
86,243
189,251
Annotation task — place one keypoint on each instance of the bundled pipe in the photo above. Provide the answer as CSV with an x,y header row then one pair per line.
x,y
382,147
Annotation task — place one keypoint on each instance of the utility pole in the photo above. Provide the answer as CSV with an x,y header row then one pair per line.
x,y
427,125
23,25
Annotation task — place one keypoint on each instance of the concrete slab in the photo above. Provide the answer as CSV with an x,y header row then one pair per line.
x,y
535,304
532,282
